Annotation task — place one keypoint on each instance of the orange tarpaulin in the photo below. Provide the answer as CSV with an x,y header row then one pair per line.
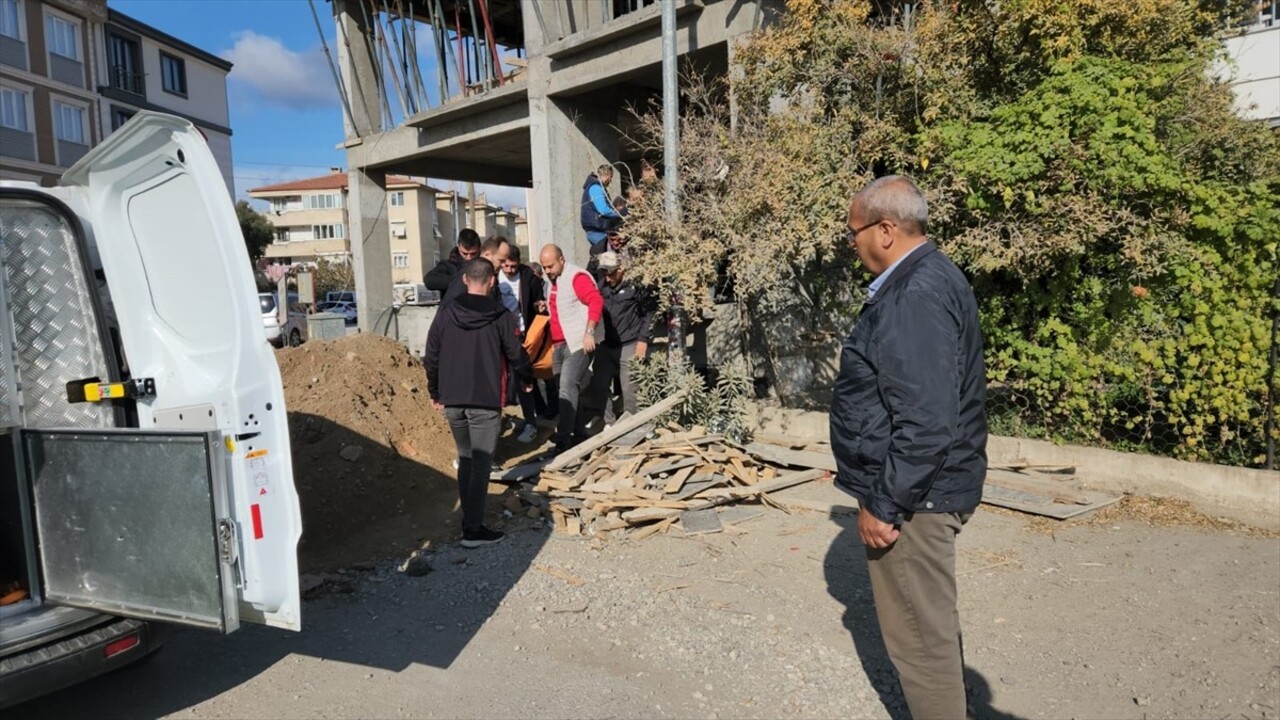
x,y
537,342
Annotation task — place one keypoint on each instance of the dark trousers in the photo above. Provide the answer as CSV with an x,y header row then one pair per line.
x,y
529,401
571,370
475,432
613,363
913,582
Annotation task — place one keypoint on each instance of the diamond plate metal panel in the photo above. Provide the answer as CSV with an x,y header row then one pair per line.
x,y
52,316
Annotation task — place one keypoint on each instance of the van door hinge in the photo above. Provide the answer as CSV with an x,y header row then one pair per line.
x,y
94,390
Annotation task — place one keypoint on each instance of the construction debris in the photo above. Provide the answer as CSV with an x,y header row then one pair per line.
x,y
616,485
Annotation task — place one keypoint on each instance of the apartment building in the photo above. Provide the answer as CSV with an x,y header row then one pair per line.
x,y
48,97
310,220
146,69
72,71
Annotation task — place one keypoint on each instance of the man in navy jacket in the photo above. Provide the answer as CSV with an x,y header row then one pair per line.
x,y
909,433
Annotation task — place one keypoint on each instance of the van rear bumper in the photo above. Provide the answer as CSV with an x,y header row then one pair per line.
x,y
52,667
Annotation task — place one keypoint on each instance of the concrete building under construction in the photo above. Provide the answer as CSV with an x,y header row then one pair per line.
x,y
530,93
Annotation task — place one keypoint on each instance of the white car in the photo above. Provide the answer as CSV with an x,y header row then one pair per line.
x,y
345,309
147,477
294,331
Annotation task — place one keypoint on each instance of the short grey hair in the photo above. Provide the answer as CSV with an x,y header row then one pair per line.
x,y
897,199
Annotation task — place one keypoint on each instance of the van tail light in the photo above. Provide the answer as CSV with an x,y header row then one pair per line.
x,y
121,645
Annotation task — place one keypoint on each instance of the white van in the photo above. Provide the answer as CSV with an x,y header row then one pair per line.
x,y
144,443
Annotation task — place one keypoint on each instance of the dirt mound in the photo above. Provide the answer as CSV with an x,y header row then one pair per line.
x,y
372,460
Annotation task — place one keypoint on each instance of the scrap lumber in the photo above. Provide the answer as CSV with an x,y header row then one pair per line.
x,y
1051,495
792,458
623,427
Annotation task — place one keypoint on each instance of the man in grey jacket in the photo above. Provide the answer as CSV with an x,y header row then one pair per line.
x,y
909,433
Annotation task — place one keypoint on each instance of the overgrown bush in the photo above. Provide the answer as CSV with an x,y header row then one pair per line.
x,y
1083,164
719,406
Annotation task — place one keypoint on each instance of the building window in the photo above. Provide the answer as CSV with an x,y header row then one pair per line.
x,y
282,235
68,122
10,20
279,204
400,260
397,198
63,37
328,232
13,109
330,201
120,116
125,65
173,74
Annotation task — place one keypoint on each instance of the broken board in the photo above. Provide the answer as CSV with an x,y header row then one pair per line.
x,y
697,522
794,458
1040,496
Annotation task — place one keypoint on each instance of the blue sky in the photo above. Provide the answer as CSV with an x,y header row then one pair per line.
x,y
285,112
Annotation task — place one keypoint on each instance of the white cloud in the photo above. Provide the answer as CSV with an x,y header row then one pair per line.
x,y
280,76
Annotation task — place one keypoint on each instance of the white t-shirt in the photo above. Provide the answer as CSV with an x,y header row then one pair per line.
x,y
510,290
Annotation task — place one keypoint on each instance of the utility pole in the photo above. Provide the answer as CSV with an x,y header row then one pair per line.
x,y
670,164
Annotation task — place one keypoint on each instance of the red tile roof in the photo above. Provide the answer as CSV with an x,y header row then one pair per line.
x,y
332,181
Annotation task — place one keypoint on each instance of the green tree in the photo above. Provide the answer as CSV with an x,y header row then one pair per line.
x,y
257,230
1083,164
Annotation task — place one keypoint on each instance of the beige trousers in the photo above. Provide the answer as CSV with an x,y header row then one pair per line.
x,y
913,582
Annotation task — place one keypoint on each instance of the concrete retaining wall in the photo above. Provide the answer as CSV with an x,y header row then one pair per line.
x,y
1241,494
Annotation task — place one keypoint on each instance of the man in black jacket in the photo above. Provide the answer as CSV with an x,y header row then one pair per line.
x,y
442,275
495,249
471,343
909,433
628,330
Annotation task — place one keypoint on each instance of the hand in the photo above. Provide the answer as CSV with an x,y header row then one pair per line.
x,y
540,307
589,343
437,406
642,349
875,532
528,388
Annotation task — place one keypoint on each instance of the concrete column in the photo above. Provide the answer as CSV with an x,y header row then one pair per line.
x,y
356,58
368,231
568,140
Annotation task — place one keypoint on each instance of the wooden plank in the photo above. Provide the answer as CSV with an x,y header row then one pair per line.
x,y
653,529
632,438
1041,504
793,458
1067,491
673,465
648,514
677,481
782,483
518,473
623,427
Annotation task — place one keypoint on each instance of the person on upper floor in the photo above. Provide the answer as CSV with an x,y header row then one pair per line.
x,y
598,216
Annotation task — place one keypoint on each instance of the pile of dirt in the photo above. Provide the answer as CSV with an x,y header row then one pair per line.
x,y
373,462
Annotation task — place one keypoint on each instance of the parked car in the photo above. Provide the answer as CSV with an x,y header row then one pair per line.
x,y
340,296
346,309
146,476
294,330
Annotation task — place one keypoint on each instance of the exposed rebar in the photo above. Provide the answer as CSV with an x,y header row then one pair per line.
x,y
333,68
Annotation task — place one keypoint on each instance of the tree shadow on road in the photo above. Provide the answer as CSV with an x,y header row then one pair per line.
x,y
359,522
845,569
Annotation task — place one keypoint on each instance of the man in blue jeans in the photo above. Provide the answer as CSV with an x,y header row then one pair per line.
x,y
473,344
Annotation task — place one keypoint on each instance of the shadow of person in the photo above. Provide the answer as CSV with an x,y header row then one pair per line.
x,y
845,570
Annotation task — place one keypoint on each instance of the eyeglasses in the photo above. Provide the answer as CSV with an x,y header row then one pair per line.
x,y
850,234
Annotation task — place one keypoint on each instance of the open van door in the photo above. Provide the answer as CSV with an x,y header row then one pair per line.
x,y
211,458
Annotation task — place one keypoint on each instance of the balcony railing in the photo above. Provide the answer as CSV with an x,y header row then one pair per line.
x,y
124,80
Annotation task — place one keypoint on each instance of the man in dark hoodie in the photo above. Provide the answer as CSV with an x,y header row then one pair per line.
x,y
443,274
470,346
495,249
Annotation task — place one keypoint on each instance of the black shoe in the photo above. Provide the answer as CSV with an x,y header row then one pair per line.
x,y
480,537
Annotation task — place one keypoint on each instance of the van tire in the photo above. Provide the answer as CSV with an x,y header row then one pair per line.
x,y
295,338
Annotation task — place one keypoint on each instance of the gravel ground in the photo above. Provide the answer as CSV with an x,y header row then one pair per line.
x,y
770,620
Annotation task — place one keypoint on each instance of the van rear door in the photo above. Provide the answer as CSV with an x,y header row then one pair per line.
x,y
180,279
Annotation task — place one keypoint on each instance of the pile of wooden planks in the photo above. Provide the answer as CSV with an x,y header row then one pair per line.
x,y
646,480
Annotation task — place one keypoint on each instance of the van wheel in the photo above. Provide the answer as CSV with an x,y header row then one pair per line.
x,y
295,338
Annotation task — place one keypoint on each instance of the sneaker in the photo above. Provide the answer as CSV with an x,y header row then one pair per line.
x,y
529,434
481,537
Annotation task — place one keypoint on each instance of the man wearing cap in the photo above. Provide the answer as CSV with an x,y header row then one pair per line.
x,y
628,329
